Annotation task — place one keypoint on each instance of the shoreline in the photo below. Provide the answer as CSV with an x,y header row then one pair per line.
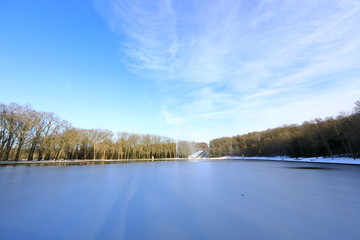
x,y
85,161
336,160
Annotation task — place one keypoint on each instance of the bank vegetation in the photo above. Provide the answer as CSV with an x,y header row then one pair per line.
x,y
327,137
26,134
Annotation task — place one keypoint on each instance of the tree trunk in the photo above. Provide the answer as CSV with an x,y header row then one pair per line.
x,y
350,148
17,155
40,154
8,148
31,153
59,154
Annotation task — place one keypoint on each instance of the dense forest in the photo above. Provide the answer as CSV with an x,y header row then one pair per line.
x,y
26,134
320,137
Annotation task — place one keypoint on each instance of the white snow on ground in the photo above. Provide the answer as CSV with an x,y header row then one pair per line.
x,y
195,155
198,154
338,160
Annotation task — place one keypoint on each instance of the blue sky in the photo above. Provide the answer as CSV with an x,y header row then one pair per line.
x,y
188,69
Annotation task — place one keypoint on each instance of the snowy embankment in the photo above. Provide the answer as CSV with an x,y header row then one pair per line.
x,y
336,160
198,154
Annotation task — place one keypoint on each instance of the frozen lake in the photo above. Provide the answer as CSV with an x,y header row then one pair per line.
x,y
229,199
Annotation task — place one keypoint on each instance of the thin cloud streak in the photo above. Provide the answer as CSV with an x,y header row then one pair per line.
x,y
234,61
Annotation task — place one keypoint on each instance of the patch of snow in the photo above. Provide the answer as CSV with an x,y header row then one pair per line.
x,y
336,160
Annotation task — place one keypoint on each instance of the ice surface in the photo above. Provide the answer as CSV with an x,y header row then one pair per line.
x,y
231,199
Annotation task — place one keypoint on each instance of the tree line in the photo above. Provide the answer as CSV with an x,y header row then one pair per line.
x,y
28,134
319,137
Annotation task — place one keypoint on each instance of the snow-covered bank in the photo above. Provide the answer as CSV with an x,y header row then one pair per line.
x,y
336,160
85,162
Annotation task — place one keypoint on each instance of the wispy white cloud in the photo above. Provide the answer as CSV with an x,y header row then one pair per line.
x,y
234,62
